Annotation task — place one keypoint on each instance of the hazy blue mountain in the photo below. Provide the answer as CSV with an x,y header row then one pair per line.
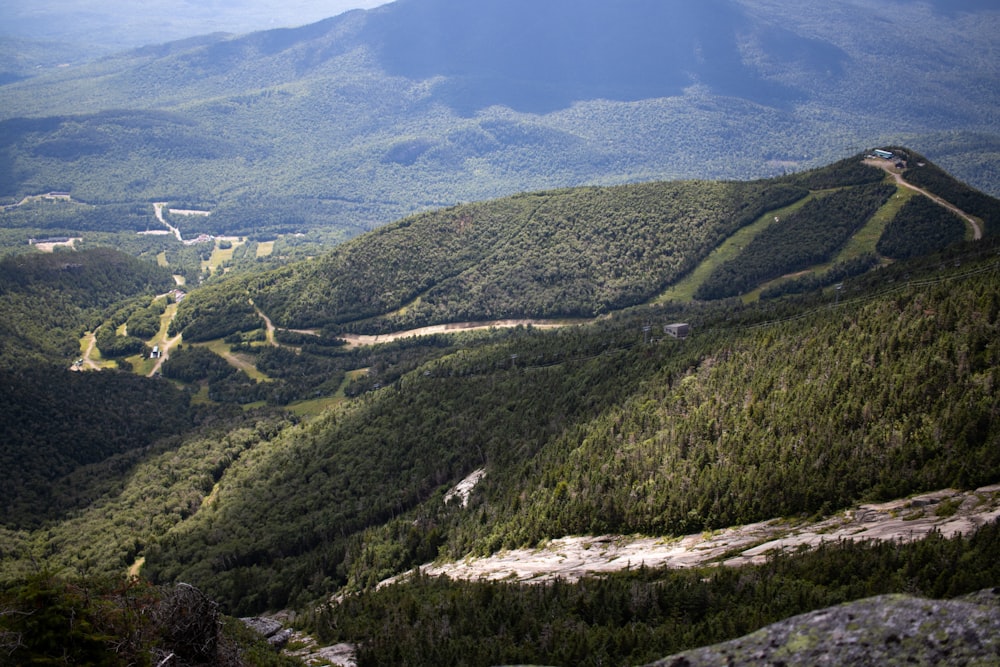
x,y
358,119
539,57
96,29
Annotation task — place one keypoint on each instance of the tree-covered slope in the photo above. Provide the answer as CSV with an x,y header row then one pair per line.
x,y
56,421
47,300
585,252
580,252
591,430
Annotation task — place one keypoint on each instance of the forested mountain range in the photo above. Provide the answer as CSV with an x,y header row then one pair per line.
x,y
846,385
357,120
585,252
238,397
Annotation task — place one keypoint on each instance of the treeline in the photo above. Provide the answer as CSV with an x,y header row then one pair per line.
x,y
808,236
641,615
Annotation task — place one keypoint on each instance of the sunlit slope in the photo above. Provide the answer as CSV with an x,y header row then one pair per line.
x,y
594,430
585,252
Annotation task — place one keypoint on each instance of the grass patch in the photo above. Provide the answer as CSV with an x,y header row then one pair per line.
x,y
314,407
221,256
265,248
201,396
865,239
317,406
948,507
95,358
238,361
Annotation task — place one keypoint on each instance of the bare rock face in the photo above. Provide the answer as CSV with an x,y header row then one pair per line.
x,y
265,626
878,631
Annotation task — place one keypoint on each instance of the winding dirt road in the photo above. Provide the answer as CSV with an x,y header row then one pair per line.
x,y
355,340
268,325
886,165
158,209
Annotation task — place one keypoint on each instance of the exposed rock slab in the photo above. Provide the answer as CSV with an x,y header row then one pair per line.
x,y
947,511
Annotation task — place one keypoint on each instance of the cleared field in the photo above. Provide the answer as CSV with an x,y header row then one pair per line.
x,y
224,350
220,256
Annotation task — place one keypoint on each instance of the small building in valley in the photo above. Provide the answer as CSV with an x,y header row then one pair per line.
x,y
680,330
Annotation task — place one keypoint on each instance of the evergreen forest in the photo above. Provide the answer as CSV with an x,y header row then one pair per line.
x,y
276,459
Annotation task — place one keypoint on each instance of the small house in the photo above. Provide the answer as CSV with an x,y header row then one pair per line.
x,y
680,330
885,155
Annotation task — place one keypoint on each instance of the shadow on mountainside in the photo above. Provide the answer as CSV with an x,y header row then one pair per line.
x,y
539,58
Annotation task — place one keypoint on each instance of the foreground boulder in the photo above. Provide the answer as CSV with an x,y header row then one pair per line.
x,y
883,630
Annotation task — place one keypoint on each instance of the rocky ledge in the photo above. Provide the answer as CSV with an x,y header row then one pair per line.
x,y
880,631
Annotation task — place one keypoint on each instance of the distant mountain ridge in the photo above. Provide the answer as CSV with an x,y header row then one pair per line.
x,y
359,119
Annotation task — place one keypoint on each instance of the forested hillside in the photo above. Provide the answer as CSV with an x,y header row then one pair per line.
x,y
585,252
794,406
353,122
591,430
236,397
48,300
55,421
577,253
